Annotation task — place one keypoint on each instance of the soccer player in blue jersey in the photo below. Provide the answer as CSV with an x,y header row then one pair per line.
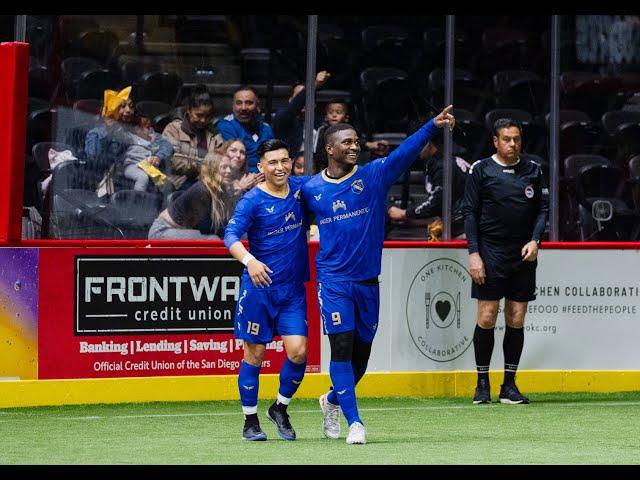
x,y
349,202
272,295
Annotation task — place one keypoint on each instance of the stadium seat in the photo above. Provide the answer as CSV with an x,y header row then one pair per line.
x,y
386,46
74,67
136,211
465,89
520,89
40,127
79,214
386,99
93,83
603,183
151,109
41,83
574,163
159,86
134,70
101,45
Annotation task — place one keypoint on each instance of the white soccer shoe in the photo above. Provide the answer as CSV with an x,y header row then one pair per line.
x,y
331,420
357,434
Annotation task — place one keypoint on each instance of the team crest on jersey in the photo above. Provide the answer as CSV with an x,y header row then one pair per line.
x,y
528,191
289,216
357,186
338,204
270,209
318,196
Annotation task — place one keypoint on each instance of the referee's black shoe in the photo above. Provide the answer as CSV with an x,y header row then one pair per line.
x,y
510,394
280,418
483,392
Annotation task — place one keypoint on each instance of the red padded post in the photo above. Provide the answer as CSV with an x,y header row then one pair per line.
x,y
14,75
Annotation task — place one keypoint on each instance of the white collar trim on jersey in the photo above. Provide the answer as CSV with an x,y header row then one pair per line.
x,y
263,187
341,179
494,157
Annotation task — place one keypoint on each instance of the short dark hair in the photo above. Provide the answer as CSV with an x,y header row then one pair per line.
x,y
339,101
270,146
242,88
501,123
338,127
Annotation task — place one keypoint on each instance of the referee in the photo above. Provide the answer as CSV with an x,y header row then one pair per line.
x,y
505,209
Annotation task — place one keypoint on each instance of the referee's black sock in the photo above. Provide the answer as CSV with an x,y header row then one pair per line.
x,y
483,348
512,346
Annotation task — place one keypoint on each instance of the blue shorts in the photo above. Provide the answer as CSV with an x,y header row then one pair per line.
x,y
349,306
263,313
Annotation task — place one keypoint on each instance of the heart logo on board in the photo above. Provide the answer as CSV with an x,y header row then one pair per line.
x,y
443,307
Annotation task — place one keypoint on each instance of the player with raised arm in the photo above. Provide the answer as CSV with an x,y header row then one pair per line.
x,y
349,202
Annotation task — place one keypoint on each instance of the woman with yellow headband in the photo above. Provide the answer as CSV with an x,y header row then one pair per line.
x,y
125,141
106,144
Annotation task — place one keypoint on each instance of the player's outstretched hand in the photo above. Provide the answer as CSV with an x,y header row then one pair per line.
x,y
445,118
258,273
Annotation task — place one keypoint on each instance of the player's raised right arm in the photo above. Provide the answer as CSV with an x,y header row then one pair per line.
x,y
406,153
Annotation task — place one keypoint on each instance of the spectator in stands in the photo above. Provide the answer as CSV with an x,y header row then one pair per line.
x,y
237,154
298,165
146,144
203,211
105,144
194,136
245,123
288,122
423,213
337,111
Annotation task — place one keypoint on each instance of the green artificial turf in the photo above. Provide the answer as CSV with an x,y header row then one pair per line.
x,y
553,429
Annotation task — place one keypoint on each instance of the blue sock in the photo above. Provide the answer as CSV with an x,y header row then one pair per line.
x,y
248,383
357,375
341,375
291,375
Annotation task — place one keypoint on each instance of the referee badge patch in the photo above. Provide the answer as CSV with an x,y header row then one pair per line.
x,y
528,191
357,186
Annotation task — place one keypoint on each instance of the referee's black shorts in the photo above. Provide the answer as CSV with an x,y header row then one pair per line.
x,y
514,280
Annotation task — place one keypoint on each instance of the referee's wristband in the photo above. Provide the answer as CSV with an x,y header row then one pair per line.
x,y
246,259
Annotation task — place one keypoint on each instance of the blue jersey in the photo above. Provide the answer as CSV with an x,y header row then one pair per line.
x,y
351,211
277,231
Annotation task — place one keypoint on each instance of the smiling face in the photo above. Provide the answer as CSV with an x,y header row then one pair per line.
x,y
238,155
343,147
276,166
226,171
245,106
